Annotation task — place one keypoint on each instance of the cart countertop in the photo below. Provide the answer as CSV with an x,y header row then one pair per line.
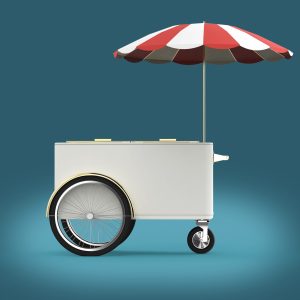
x,y
162,142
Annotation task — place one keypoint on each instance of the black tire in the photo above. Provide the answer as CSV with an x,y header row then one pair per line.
x,y
192,240
130,228
86,249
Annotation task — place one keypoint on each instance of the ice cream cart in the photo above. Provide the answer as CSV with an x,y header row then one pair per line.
x,y
102,187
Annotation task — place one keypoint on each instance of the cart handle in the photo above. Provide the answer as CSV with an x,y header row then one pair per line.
x,y
218,157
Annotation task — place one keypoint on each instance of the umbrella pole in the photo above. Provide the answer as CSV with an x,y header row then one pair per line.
x,y
203,102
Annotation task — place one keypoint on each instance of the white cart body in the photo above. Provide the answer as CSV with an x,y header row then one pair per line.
x,y
164,180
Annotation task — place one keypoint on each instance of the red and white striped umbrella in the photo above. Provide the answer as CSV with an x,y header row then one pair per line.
x,y
201,43
195,43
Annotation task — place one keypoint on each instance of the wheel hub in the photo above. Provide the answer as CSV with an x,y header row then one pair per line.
x,y
89,216
198,241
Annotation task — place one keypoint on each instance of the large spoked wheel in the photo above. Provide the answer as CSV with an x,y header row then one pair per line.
x,y
196,243
90,215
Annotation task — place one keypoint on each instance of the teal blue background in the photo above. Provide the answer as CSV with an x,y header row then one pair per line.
x,y
59,81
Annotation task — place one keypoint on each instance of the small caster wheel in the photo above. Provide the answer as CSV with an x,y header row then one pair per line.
x,y
194,240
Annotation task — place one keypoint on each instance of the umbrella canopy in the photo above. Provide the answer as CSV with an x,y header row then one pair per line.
x,y
203,43
196,43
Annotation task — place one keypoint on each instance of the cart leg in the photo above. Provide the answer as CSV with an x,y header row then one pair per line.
x,y
203,224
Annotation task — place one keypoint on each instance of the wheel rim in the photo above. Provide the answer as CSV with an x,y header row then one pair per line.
x,y
198,242
94,215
